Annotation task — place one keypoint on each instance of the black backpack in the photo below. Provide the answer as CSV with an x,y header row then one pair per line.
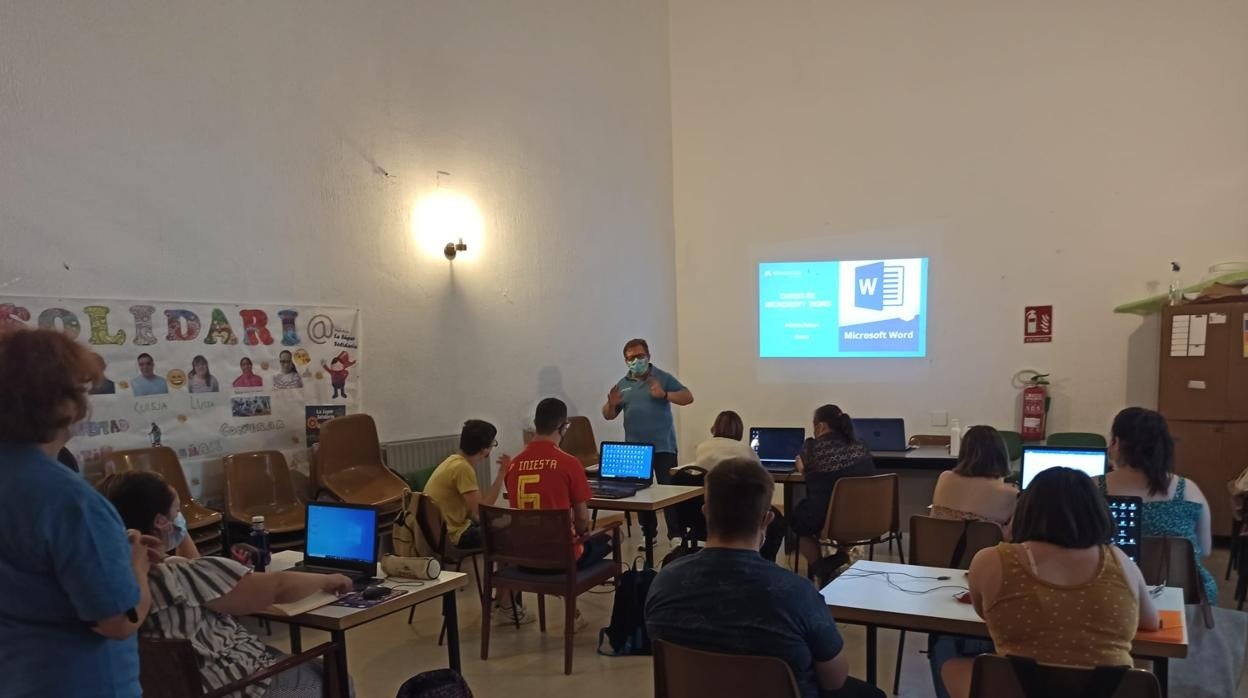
x,y
627,632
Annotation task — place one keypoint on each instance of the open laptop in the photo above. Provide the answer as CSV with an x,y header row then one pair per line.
x,y
1127,513
623,469
882,435
341,539
1037,459
777,447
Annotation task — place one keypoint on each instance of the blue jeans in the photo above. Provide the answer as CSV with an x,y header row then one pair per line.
x,y
942,648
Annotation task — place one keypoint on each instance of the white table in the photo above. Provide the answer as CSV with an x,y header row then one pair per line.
x,y
336,620
871,602
652,498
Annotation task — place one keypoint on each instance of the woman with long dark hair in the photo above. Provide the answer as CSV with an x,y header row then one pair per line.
x,y
834,452
976,489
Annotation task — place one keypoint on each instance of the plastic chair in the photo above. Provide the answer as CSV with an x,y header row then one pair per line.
x,y
533,551
350,468
258,483
930,440
1013,444
169,669
202,524
1171,561
864,511
998,677
579,441
1076,439
682,672
952,543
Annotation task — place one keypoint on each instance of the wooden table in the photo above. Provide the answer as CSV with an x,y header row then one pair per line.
x,y
336,620
870,601
652,498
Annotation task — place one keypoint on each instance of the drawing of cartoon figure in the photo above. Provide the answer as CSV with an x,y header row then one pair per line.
x,y
338,372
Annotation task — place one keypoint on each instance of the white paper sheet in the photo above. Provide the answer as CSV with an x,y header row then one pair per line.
x,y
1179,328
1196,335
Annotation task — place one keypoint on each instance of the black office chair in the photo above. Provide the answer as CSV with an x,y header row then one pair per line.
x,y
689,513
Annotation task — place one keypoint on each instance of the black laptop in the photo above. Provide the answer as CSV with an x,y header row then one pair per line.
x,y
1127,513
624,468
777,447
341,539
886,435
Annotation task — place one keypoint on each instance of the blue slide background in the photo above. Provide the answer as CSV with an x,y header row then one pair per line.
x,y
815,332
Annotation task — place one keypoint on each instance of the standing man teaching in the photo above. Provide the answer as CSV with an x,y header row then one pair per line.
x,y
645,395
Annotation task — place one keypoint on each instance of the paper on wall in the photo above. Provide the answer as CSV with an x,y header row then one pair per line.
x,y
1179,328
1188,334
1196,335
1217,318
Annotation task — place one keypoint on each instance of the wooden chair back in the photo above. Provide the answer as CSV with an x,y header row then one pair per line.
x,y
863,509
682,672
996,677
930,440
1171,561
934,542
579,441
168,668
536,538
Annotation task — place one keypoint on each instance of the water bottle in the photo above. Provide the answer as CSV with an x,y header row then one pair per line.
x,y
955,438
260,541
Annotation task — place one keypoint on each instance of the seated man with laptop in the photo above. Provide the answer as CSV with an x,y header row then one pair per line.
x,y
727,599
197,599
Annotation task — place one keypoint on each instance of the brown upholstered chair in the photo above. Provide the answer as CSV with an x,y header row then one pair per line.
x,y
681,672
258,483
349,465
169,669
995,677
202,524
930,440
944,543
1171,561
517,541
579,441
864,511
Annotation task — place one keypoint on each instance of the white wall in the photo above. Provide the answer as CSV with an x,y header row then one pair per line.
x,y
227,151
1039,153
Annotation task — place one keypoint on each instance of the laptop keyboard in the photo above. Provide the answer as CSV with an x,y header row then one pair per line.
x,y
609,490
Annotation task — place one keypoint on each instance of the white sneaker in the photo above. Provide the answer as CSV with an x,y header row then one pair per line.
x,y
512,616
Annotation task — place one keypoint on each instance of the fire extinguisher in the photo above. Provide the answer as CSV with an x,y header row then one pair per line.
x,y
1035,404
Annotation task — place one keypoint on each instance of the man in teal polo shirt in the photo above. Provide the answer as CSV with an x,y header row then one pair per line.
x,y
645,395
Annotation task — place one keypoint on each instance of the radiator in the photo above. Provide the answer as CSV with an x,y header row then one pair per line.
x,y
413,455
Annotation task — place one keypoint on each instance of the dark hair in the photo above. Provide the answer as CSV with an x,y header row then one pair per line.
x,y
838,421
138,496
728,425
1061,506
40,372
552,413
292,361
636,343
983,453
476,436
207,371
140,357
1144,443
738,495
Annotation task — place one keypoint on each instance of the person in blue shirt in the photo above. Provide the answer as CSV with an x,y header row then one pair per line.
x,y
645,396
147,382
729,599
69,570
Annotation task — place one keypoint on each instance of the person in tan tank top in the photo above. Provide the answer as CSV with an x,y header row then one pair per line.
x,y
1058,594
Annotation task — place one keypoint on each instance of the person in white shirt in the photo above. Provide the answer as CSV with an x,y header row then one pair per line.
x,y
725,442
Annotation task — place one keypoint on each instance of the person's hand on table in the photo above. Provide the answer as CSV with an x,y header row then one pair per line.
x,y
338,584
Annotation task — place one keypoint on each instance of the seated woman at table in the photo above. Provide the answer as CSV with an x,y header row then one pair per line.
x,y
976,488
1141,451
196,599
832,454
725,442
1058,594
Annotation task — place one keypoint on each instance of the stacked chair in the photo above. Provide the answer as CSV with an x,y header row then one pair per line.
x,y
348,467
258,483
202,524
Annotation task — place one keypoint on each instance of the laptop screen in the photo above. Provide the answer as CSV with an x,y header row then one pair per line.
x,y
1127,515
338,532
777,444
625,461
1037,459
881,434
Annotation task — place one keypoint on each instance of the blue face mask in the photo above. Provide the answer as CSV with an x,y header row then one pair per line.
x,y
177,532
638,366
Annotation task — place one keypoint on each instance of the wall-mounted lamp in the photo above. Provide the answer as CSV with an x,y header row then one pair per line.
x,y
454,248
446,221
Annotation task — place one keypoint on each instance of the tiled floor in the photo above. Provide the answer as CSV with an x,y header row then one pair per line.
x,y
524,662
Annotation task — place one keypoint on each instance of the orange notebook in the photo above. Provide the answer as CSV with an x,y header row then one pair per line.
x,y
1171,629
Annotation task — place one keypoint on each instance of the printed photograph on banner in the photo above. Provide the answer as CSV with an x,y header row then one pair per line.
x,y
204,379
318,415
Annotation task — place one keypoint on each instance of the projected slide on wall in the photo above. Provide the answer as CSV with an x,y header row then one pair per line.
x,y
869,308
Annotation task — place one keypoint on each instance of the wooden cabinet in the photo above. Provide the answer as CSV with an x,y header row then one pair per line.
x,y
1205,400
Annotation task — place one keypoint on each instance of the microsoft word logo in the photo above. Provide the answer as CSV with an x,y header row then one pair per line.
x,y
878,286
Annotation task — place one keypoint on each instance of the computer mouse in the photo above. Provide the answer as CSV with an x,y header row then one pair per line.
x,y
374,593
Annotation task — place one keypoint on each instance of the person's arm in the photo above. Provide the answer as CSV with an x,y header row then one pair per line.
x,y
611,408
797,464
472,500
668,388
832,673
491,494
680,397
187,548
580,517
825,642
984,578
1204,526
1150,618
257,591
123,625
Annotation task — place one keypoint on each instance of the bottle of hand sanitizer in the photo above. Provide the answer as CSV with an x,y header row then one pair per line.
x,y
955,437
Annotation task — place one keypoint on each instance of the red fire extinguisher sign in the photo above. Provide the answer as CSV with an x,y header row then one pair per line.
x,y
1037,324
